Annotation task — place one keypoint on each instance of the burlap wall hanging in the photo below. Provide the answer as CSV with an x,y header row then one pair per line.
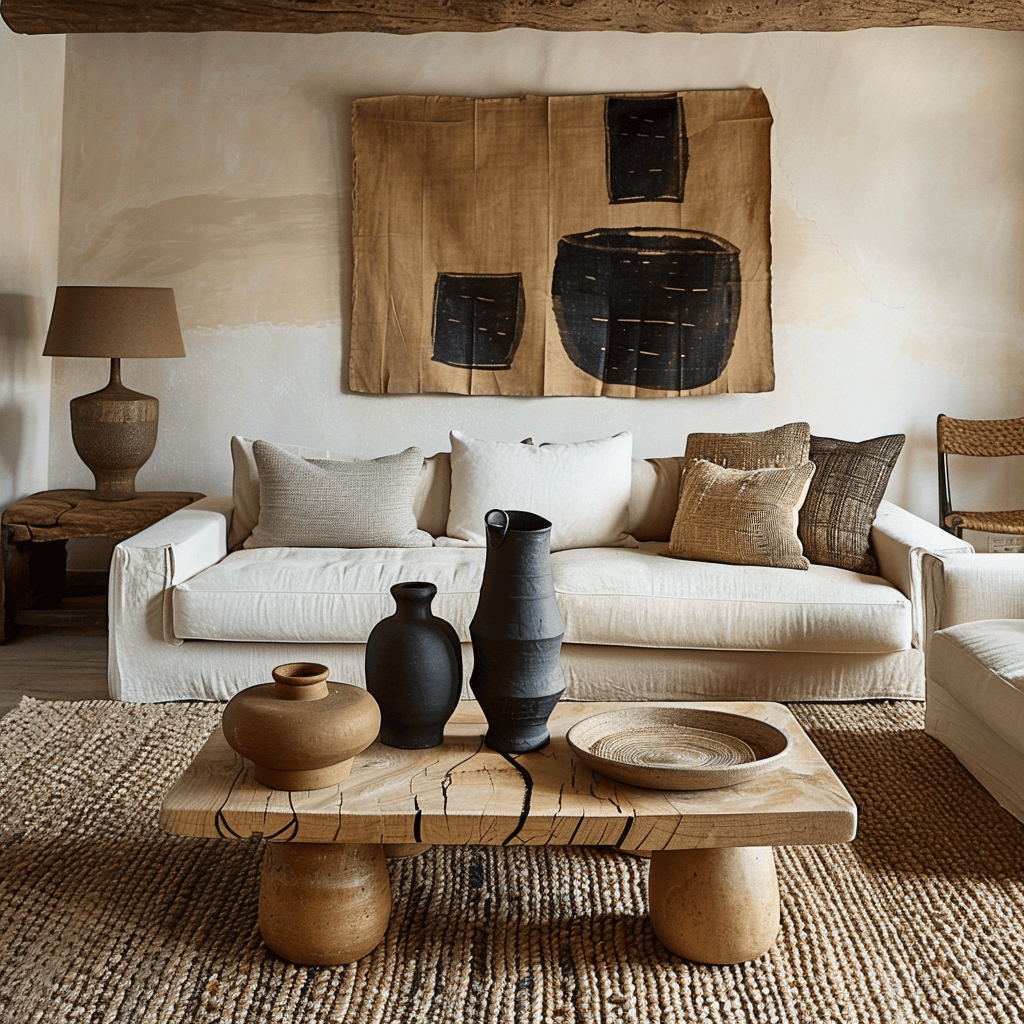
x,y
569,245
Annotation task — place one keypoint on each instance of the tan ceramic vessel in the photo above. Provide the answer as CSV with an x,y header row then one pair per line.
x,y
301,732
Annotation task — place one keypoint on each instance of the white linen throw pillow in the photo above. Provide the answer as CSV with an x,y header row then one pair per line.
x,y
583,488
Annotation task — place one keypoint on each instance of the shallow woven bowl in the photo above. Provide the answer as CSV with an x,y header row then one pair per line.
x,y
677,748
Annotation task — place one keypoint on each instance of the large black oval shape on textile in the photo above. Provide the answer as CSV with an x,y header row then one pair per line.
x,y
648,307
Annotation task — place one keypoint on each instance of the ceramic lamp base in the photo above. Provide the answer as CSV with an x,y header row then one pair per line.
x,y
114,431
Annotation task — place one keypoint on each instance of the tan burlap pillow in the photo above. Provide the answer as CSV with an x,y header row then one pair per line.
x,y
325,503
743,517
849,480
764,449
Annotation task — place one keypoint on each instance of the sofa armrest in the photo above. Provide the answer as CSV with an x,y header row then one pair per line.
x,y
900,540
969,588
145,568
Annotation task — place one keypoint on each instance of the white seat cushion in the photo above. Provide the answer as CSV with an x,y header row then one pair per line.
x,y
608,596
981,665
637,598
329,595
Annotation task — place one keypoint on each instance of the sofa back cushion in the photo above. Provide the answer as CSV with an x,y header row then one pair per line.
x,y
433,494
654,492
654,497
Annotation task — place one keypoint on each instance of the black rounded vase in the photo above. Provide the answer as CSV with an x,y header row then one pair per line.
x,y
414,669
517,633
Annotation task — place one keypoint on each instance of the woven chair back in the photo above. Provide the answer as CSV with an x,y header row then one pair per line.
x,y
983,438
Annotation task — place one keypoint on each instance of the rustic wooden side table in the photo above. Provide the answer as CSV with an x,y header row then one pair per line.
x,y
36,529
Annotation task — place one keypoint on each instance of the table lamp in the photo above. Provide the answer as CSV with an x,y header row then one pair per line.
x,y
114,430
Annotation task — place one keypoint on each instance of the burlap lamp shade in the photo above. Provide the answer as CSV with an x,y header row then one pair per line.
x,y
114,430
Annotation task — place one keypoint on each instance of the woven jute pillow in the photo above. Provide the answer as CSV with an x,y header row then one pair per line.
x,y
325,503
743,517
849,480
787,445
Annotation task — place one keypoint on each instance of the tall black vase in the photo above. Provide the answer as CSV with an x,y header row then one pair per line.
x,y
414,669
517,633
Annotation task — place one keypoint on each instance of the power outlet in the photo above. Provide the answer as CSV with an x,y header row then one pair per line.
x,y
1003,543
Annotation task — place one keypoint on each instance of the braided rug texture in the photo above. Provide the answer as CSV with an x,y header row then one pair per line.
x,y
103,917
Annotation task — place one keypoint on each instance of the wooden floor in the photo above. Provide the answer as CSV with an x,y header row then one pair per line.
x,y
58,654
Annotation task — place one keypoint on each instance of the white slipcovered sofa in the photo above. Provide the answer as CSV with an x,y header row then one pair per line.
x,y
974,628
193,615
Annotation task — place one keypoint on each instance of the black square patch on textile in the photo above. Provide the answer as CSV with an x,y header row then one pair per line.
x,y
478,320
647,149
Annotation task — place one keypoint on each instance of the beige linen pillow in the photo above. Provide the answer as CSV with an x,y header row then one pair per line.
x,y
743,517
245,484
325,503
583,488
430,504
656,481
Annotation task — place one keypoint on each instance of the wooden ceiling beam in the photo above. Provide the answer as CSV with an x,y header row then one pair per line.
x,y
39,17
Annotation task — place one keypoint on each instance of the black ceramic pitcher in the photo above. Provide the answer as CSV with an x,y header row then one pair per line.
x,y
517,633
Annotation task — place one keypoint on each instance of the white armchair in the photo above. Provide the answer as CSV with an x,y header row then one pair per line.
x,y
974,667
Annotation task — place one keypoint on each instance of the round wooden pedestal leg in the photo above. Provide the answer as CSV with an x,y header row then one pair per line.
x,y
715,906
323,903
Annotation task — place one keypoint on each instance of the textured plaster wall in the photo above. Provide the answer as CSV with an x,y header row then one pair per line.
x,y
31,97
220,165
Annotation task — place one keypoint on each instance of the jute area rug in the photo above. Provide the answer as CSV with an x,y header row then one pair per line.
x,y
105,918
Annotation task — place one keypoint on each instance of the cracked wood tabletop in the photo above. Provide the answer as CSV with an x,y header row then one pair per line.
x,y
462,792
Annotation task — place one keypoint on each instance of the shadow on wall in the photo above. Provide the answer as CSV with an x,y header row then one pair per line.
x,y
918,457
22,328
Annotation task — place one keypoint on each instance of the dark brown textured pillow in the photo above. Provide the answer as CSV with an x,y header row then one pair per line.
x,y
763,449
849,480
743,517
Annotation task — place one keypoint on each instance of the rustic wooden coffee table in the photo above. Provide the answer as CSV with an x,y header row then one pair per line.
x,y
325,897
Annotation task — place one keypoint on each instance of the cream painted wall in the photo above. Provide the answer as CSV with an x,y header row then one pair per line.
x,y
31,99
219,164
